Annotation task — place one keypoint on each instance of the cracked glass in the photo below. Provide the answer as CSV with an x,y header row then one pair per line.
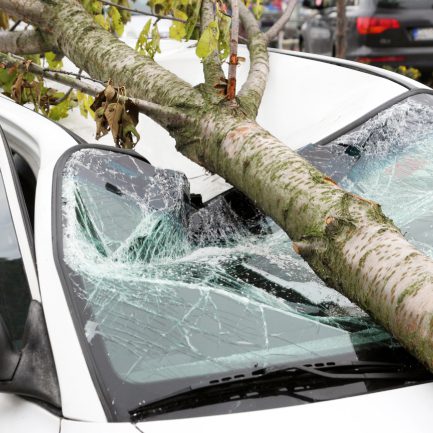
x,y
168,292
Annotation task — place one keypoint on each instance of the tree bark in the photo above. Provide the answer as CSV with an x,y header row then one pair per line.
x,y
25,42
347,240
341,39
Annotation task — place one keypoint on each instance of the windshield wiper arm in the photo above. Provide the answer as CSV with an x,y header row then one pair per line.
x,y
278,380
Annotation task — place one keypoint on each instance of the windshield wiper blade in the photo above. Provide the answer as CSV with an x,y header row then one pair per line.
x,y
277,380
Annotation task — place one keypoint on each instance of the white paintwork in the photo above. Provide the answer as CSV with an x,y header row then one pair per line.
x,y
313,110
18,415
69,426
46,142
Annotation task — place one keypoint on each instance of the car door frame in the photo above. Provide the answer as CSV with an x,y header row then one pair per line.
x,y
15,411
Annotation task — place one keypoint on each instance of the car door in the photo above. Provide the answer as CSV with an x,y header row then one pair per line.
x,y
18,287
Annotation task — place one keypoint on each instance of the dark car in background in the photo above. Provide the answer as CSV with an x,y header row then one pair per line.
x,y
379,32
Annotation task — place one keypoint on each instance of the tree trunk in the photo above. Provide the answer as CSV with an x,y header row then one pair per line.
x,y
347,240
340,38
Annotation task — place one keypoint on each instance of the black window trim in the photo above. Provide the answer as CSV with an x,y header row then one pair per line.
x,y
20,196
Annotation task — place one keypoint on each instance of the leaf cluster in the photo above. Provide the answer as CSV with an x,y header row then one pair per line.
x,y
215,37
27,88
148,41
113,113
110,18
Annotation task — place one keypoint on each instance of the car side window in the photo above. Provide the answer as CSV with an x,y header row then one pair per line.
x,y
14,290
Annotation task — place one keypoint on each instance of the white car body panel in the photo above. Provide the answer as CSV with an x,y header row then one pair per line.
x,y
21,416
69,426
48,141
313,111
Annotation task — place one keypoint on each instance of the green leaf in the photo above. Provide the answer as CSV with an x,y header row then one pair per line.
x,y
192,20
178,29
152,45
7,79
59,111
94,7
35,58
84,102
140,45
53,61
116,21
126,15
208,41
100,19
224,36
258,9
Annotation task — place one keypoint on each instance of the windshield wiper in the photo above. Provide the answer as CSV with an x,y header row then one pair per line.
x,y
277,380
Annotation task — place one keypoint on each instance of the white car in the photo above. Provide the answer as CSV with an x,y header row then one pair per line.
x,y
130,303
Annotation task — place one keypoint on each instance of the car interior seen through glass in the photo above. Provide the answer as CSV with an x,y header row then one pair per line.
x,y
14,290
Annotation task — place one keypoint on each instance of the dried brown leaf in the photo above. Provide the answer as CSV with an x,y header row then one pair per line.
x,y
17,88
113,113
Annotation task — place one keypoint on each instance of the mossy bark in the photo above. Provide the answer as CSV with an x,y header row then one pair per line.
x,y
105,57
346,239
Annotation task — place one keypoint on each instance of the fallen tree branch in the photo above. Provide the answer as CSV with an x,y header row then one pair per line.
x,y
165,116
279,24
33,11
212,68
251,93
24,42
141,75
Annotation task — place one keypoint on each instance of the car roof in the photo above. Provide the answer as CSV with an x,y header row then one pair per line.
x,y
307,98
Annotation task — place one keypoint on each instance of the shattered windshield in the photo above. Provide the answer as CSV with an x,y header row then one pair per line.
x,y
168,291
389,160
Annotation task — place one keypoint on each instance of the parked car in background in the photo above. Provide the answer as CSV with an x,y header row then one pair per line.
x,y
379,32
133,305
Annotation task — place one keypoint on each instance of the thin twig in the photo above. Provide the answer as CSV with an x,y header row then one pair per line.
x,y
165,116
279,24
16,24
233,61
74,74
64,97
138,11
